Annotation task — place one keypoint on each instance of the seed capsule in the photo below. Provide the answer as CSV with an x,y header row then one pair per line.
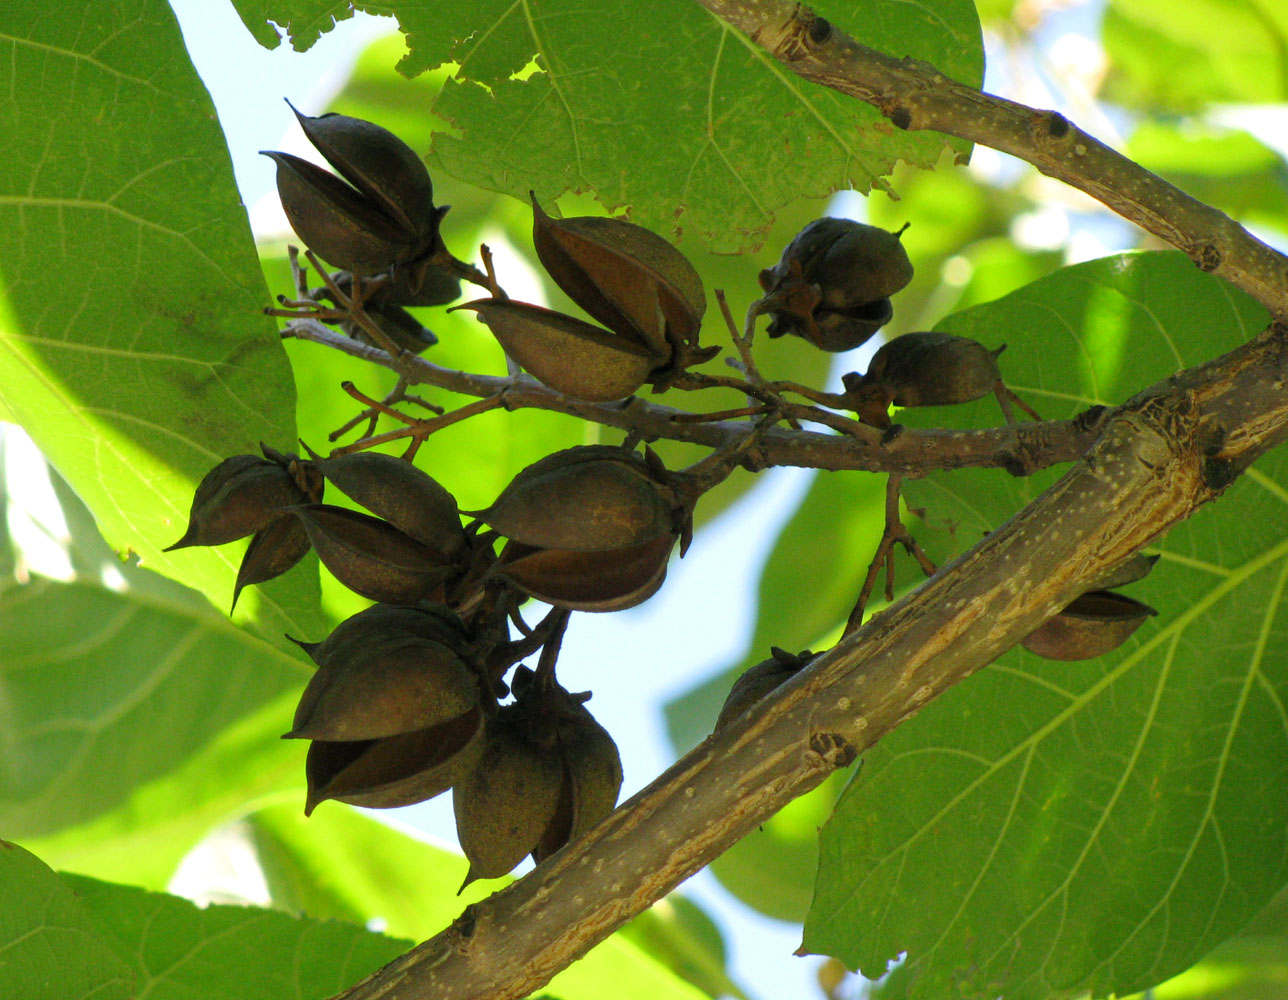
x,y
238,497
394,489
833,283
587,581
757,681
575,358
371,557
585,499
397,770
272,551
1096,623
630,279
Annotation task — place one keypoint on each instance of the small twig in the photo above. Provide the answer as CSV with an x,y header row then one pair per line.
x,y
836,401
545,674
419,430
744,411
893,533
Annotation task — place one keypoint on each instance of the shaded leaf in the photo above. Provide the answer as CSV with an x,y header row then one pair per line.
x,y
132,720
138,376
50,947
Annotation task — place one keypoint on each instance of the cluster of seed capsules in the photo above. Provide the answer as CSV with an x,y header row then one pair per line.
x,y
409,697
406,700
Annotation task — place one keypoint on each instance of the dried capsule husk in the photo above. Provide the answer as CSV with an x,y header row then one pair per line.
x,y
403,329
238,497
395,770
757,681
850,270
382,167
1095,623
587,581
336,222
395,490
272,551
504,805
588,501
592,779
392,684
573,357
934,369
1130,570
371,557
628,278
426,620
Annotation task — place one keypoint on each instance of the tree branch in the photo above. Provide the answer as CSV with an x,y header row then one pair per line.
x,y
1021,449
1160,457
914,95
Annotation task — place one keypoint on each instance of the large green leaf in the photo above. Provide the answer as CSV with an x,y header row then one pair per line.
x,y
49,946
1047,828
132,347
178,951
547,97
131,720
341,863
1176,55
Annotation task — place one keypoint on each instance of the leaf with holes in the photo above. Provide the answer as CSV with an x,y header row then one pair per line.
x,y
1099,825
555,96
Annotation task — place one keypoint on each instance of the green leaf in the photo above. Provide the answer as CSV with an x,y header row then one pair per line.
x,y
342,863
678,933
133,720
50,948
547,97
132,345
1177,55
731,135
1047,828
178,951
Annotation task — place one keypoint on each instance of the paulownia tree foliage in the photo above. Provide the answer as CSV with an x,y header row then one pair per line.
x,y
1008,824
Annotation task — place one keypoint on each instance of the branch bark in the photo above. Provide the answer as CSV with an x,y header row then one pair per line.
x,y
1170,450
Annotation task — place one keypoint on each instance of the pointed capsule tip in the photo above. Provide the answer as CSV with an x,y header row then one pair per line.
x,y
469,877
182,543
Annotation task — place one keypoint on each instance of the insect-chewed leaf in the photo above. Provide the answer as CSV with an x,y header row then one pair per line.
x,y
402,494
370,556
576,358
627,277
376,162
271,553
587,581
1096,623
585,506
396,770
338,223
393,684
506,802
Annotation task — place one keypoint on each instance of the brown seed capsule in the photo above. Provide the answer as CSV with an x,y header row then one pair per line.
x,y
272,551
934,369
575,358
394,770
382,217
508,800
402,494
587,581
586,499
757,681
388,685
852,270
426,620
592,779
630,279
1096,623
371,557
238,497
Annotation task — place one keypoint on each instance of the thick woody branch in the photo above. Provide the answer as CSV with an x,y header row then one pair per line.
x,y
1021,449
1163,455
914,95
